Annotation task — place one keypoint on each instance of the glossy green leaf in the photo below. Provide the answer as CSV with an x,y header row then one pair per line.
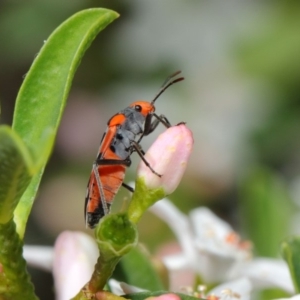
x,y
16,170
23,209
265,210
14,279
137,270
290,250
44,92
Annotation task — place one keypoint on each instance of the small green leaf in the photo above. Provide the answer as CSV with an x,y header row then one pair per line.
x,y
137,270
16,170
290,250
42,97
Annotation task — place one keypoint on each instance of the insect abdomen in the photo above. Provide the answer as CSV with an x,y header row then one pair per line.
x,y
112,177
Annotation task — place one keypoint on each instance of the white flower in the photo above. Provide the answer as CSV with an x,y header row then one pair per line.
x,y
297,297
239,289
121,288
213,250
39,256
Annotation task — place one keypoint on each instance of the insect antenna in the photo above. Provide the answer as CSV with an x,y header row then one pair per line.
x,y
168,83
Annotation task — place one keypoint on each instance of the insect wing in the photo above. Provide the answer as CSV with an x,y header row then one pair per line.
x,y
95,206
105,181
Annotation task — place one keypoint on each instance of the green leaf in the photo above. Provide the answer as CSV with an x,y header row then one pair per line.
x,y
265,210
14,279
137,270
16,170
23,209
43,95
290,250
145,295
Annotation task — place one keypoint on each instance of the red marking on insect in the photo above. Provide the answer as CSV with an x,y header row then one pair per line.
x,y
124,132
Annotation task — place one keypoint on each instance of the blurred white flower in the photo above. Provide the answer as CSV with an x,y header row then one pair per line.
x,y
239,289
121,288
209,247
40,257
297,297
267,273
72,261
212,249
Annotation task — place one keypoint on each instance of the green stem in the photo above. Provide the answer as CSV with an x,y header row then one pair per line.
x,y
15,283
142,199
103,271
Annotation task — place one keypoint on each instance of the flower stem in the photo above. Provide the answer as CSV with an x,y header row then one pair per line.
x,y
142,199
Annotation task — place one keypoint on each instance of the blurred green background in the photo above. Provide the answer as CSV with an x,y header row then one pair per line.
x,y
241,61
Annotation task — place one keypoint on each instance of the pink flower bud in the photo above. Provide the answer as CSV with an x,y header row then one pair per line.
x,y
165,297
168,157
75,254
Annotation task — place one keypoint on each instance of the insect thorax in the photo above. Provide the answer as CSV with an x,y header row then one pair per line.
x,y
131,128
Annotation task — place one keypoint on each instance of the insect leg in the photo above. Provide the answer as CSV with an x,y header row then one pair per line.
x,y
129,188
113,162
140,152
151,126
159,119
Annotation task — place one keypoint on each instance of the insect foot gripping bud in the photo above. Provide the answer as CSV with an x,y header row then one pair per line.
x,y
168,156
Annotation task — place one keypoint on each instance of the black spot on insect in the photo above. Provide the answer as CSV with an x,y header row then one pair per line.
x,y
119,136
112,148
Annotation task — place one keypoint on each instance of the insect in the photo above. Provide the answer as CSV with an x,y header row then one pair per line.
x,y
122,137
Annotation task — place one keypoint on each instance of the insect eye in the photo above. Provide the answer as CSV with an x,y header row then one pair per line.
x,y
138,108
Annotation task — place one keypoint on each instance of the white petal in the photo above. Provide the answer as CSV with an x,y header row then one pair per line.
x,y
121,288
175,261
39,257
234,290
216,236
115,287
297,297
130,289
206,222
266,273
179,224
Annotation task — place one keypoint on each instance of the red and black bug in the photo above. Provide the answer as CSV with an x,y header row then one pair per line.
x,y
124,132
